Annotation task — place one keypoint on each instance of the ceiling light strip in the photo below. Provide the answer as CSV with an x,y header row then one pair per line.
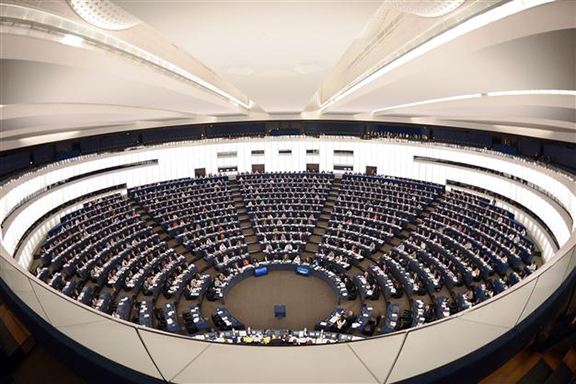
x,y
561,92
71,28
430,101
476,22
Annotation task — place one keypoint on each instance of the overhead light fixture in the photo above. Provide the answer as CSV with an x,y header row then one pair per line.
x,y
430,101
508,9
73,40
562,92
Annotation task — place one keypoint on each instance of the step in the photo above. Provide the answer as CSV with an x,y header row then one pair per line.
x,y
320,230
315,239
561,375
538,374
251,239
311,247
570,359
172,243
254,247
257,255
248,231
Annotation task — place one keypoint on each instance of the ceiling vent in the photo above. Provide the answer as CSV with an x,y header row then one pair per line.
x,y
104,14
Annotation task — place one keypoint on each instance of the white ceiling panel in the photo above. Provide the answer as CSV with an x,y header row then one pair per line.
x,y
277,52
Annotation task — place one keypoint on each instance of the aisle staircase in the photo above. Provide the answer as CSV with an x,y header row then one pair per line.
x,y
164,236
396,240
254,246
322,224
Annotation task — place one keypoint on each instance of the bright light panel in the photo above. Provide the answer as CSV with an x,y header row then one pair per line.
x,y
72,40
561,92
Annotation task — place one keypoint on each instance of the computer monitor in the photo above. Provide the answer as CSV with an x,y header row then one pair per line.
x,y
304,271
260,271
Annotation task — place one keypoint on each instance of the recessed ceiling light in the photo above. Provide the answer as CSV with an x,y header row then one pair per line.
x,y
72,40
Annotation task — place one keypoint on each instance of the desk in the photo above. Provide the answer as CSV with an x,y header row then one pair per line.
x,y
70,287
331,320
104,302
86,295
276,337
197,320
225,321
363,318
442,307
201,285
499,285
463,302
480,293
124,308
513,278
418,313
384,282
364,287
277,265
144,313
171,318
392,317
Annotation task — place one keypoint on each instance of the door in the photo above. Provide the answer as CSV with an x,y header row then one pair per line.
x,y
258,168
370,171
313,167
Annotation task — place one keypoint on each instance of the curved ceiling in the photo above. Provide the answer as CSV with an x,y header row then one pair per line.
x,y
174,63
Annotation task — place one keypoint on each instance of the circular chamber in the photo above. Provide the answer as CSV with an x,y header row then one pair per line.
x,y
423,245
